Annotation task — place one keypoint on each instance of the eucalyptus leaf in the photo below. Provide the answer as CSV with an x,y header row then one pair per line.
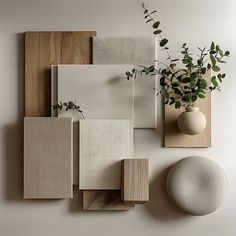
x,y
213,60
215,68
201,95
156,24
163,42
157,32
212,46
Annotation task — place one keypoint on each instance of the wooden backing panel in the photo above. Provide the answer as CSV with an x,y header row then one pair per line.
x,y
109,200
43,49
175,138
135,180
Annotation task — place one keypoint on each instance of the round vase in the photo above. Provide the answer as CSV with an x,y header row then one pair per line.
x,y
191,121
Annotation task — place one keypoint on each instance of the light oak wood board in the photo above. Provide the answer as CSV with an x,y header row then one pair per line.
x,y
135,180
48,169
109,200
175,138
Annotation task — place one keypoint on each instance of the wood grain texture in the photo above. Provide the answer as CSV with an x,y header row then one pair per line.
x,y
135,180
175,138
48,158
43,49
102,145
109,200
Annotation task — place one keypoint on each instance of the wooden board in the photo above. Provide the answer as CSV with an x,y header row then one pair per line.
x,y
135,180
43,49
109,200
173,136
103,143
48,158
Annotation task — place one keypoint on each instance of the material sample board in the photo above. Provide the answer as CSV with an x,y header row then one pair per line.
x,y
109,200
135,180
175,138
124,50
101,91
102,146
135,51
43,49
48,169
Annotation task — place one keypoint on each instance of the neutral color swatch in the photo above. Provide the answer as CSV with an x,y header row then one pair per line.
x,y
102,145
101,91
43,49
175,138
136,51
124,50
109,200
135,180
48,158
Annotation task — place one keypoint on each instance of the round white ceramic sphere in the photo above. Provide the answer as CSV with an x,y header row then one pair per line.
x,y
197,185
192,122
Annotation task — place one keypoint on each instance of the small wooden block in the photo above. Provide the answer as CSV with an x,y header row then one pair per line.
x,y
48,158
135,183
175,138
109,200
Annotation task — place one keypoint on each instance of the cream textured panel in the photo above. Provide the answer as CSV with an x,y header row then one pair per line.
x,y
48,157
135,180
175,138
101,91
136,51
109,200
124,50
103,144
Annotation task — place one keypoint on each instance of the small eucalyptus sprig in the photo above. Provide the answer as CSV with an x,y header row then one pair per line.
x,y
68,106
182,87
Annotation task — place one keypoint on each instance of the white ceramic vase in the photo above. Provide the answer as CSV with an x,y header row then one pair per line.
x,y
192,121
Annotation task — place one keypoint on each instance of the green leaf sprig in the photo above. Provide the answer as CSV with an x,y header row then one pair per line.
x,y
182,87
68,106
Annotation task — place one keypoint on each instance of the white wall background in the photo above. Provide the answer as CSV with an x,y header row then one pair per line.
x,y
194,22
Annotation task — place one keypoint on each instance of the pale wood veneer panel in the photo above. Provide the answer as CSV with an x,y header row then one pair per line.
x,y
135,180
175,138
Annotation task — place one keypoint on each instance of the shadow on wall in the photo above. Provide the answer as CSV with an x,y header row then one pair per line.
x,y
159,205
13,135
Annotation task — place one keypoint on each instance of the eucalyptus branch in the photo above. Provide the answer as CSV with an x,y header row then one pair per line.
x,y
157,31
68,106
184,86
